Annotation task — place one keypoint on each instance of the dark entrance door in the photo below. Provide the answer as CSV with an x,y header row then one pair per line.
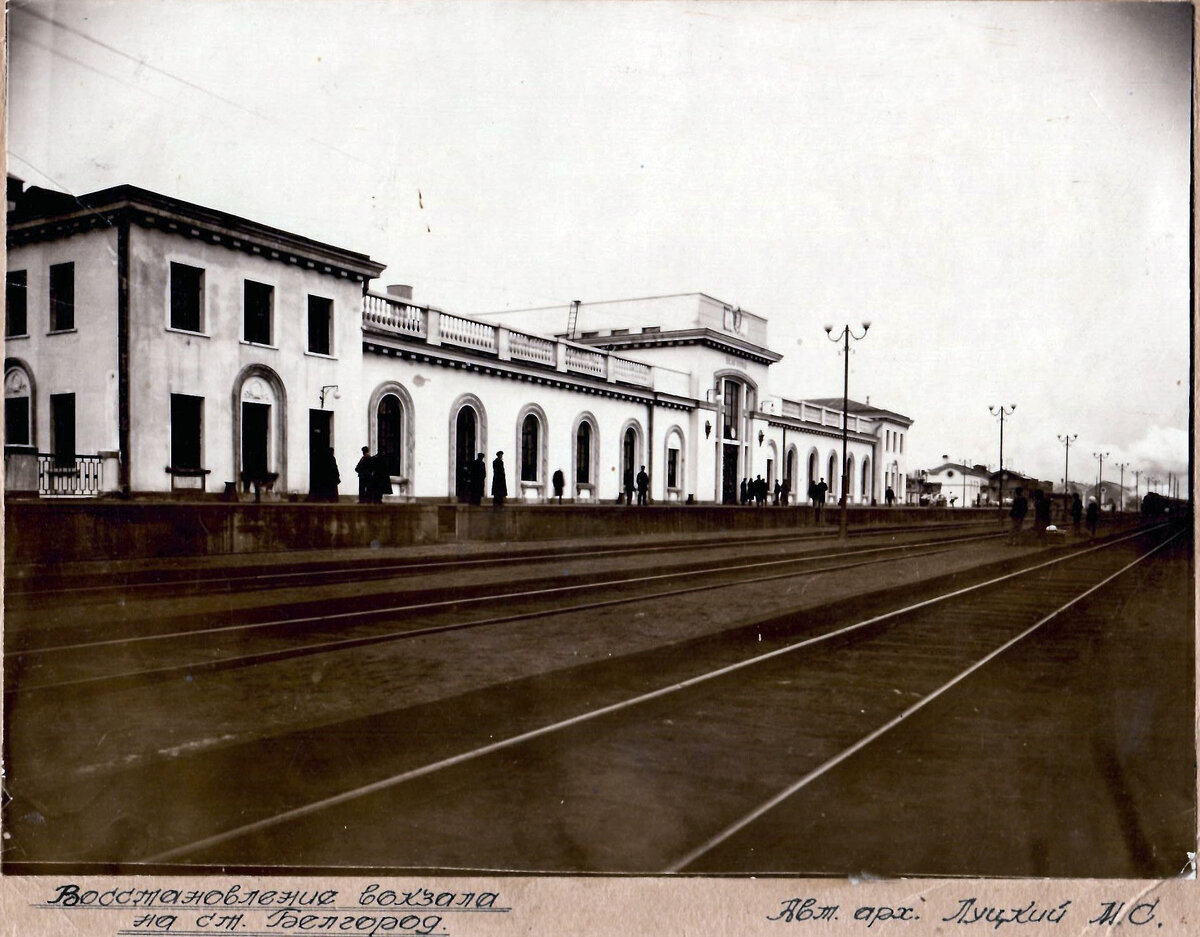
x,y
629,453
256,418
62,429
320,439
388,427
464,452
729,475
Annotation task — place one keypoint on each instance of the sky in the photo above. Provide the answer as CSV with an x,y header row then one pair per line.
x,y
1002,189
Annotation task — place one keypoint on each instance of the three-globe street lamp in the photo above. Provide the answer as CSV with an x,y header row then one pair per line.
x,y
844,337
1066,439
1002,411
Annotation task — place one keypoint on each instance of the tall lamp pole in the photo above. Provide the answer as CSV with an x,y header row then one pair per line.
x,y
1066,439
1003,412
1100,477
1122,466
844,337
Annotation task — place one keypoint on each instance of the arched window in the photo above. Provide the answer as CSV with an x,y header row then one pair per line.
x,y
629,452
389,429
530,448
814,471
466,431
849,479
866,478
673,467
583,454
834,490
18,405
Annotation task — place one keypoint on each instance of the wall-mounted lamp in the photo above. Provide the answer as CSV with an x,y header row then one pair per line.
x,y
760,437
329,390
707,429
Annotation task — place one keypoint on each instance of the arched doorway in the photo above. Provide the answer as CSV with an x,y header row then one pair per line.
x,y
466,430
813,472
389,433
867,492
832,477
260,427
628,455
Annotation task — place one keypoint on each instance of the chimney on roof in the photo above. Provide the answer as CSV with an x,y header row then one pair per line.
x,y
868,400
400,291
946,457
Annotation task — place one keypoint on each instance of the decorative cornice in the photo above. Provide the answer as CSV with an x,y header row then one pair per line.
x,y
488,365
149,210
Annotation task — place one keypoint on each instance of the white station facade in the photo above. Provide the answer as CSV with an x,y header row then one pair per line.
x,y
156,346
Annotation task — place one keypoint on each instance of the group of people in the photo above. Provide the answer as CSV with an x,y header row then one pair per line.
x,y
1041,514
474,480
641,480
374,479
757,490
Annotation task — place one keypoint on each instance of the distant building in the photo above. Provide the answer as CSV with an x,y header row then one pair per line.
x,y
156,346
959,484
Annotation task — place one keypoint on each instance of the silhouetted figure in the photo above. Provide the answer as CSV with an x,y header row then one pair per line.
x,y
812,493
819,501
778,490
760,491
744,491
1076,511
643,485
325,476
558,482
1020,507
627,484
366,476
786,492
499,481
1041,514
1093,516
478,479
889,496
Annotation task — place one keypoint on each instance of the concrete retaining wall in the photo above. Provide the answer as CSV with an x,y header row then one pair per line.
x,y
56,532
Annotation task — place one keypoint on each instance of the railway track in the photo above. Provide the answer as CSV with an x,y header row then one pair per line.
x,y
328,627
186,579
701,737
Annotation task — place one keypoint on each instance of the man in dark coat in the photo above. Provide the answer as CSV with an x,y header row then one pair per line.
x,y
643,485
499,481
889,496
325,476
1020,507
821,490
1093,516
743,492
366,476
627,483
478,479
559,483
1076,510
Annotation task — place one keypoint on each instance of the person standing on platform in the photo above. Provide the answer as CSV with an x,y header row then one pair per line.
x,y
1093,516
559,483
1076,511
787,490
366,476
819,501
812,493
1020,507
643,486
744,491
627,484
499,482
1041,514
381,480
478,477
889,497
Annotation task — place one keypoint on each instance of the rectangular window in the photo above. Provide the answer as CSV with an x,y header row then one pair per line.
x,y
902,443
15,294
16,421
62,297
62,429
320,325
257,302
187,298
672,468
187,429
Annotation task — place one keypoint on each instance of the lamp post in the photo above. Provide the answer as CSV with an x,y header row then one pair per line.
x,y
1137,491
1066,439
1003,412
1122,466
1100,477
844,337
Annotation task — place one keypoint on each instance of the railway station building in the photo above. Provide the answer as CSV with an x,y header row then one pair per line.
x,y
157,347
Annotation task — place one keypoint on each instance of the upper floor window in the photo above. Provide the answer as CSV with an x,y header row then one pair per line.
x,y
732,409
258,300
15,294
187,298
320,325
62,297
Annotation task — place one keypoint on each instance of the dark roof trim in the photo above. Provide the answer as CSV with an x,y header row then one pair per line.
x,y
109,207
703,336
